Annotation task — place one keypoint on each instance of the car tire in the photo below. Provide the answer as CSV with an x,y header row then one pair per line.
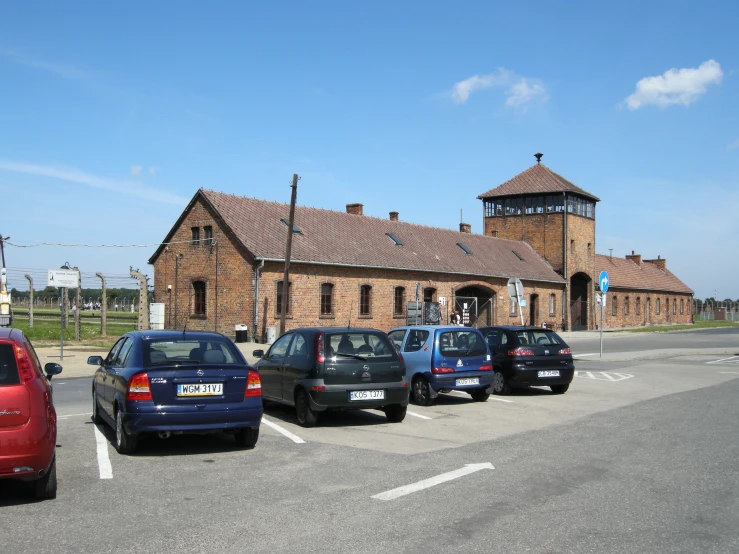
x,y
96,417
247,437
306,416
559,389
421,391
500,384
45,487
125,443
480,395
395,413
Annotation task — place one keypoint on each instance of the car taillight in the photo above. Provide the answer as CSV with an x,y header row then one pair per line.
x,y
320,351
400,356
253,385
521,352
565,351
486,367
138,388
437,370
25,371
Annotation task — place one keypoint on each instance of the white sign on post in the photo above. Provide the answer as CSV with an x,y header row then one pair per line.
x,y
63,278
515,291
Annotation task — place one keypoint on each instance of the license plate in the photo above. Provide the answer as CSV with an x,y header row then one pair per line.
x,y
552,373
469,381
200,389
367,395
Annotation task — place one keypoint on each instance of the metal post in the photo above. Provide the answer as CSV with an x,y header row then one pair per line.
x,y
77,314
63,292
103,309
518,299
216,326
601,324
30,301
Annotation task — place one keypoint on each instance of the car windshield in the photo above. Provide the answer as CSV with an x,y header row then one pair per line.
x,y
462,343
538,338
204,351
8,368
359,344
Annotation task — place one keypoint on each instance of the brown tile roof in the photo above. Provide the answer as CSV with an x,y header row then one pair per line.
x,y
537,179
647,276
339,238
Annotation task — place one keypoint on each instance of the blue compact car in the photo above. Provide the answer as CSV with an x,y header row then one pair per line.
x,y
172,382
443,359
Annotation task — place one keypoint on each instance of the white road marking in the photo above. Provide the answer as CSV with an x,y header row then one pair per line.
x,y
604,375
414,414
288,434
729,372
501,400
106,470
65,416
432,482
581,355
723,360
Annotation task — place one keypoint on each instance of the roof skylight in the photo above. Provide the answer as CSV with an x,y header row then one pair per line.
x,y
395,239
296,229
518,255
464,247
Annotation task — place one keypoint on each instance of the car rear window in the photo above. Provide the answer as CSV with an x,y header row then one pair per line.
x,y
359,343
210,351
416,339
461,344
8,369
538,338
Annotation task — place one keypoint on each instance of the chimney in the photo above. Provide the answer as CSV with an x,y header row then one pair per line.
x,y
465,228
636,258
659,262
393,216
355,209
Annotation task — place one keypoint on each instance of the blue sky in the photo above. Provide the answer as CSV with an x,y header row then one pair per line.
x,y
112,115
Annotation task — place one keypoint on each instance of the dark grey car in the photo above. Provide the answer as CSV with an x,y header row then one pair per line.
x,y
319,369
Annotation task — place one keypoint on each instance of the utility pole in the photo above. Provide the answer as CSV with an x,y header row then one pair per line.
x,y
288,252
77,314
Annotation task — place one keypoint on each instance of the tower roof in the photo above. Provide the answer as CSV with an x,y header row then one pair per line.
x,y
538,179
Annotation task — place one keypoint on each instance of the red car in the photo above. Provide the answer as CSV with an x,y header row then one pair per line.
x,y
27,415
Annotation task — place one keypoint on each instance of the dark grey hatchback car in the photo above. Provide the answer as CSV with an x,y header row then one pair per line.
x,y
319,369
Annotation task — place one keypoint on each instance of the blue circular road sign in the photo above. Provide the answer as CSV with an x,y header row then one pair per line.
x,y
603,281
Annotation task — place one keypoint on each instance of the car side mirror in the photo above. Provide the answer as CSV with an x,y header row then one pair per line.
x,y
258,353
95,360
52,369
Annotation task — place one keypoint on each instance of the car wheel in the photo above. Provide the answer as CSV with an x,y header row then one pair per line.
x,y
480,395
500,384
125,443
247,437
46,486
395,413
96,418
421,391
306,416
559,389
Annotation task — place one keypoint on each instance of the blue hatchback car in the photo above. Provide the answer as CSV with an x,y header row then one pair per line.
x,y
443,359
172,382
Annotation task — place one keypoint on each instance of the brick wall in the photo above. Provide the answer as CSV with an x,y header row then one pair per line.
x,y
542,231
638,313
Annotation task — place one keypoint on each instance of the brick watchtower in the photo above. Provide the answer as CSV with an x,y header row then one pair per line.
x,y
557,219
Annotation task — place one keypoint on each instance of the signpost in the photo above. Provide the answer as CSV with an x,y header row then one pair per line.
x,y
63,279
515,291
603,283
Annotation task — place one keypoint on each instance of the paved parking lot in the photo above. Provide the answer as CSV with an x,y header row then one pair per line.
x,y
329,488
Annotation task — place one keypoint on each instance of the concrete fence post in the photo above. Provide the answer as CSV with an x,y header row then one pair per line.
x,y
77,306
103,309
30,301
143,300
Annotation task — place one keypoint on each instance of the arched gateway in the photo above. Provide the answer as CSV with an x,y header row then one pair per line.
x,y
476,303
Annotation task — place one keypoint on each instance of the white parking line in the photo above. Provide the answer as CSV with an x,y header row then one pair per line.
x,y
65,416
501,400
581,355
414,414
729,372
106,470
723,360
288,434
433,481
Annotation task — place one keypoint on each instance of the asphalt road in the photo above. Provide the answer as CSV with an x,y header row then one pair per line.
x,y
639,456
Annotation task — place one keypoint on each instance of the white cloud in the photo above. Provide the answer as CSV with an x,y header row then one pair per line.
x,y
675,86
734,145
79,177
135,170
461,91
63,70
153,170
525,91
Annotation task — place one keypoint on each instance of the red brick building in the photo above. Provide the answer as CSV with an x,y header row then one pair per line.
x,y
557,218
222,264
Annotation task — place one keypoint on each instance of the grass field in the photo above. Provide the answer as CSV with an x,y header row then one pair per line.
x,y
696,325
46,332
46,312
